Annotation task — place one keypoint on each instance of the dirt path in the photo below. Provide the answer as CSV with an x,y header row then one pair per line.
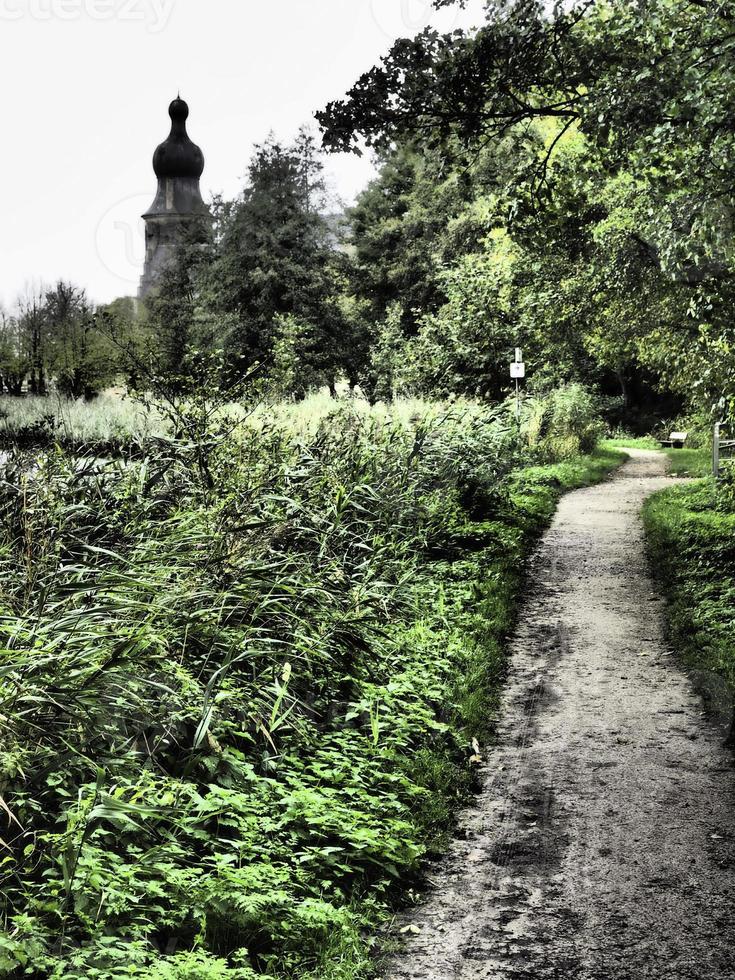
x,y
603,846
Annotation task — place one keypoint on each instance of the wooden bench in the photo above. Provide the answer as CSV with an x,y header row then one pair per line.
x,y
676,440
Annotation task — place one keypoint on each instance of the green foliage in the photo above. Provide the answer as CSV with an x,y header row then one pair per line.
x,y
54,340
466,346
565,424
612,179
387,375
296,361
106,421
634,442
241,697
401,228
172,338
81,359
198,966
574,285
691,530
690,462
13,356
263,290
274,258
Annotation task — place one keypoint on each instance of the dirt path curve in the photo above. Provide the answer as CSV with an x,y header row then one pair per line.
x,y
603,845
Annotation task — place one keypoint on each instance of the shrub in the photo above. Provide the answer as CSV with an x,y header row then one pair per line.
x,y
563,424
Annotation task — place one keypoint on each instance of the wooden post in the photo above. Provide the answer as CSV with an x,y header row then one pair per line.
x,y
716,451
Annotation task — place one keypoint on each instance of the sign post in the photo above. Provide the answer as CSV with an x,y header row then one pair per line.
x,y
518,372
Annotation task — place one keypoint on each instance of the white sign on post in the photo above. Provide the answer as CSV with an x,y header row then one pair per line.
x,y
518,371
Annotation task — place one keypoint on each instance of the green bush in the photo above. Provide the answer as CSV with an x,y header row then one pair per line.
x,y
563,424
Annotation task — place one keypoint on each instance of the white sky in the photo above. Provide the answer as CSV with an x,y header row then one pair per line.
x,y
85,91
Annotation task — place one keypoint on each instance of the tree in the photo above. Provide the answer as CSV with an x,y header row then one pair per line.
x,y
389,359
33,329
80,358
650,85
522,65
295,363
13,362
464,347
392,261
275,258
621,200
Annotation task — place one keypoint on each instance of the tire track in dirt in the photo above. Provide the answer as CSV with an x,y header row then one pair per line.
x,y
603,844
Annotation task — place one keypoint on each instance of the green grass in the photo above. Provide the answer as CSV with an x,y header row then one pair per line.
x,y
242,701
115,419
581,471
691,539
690,462
304,416
104,419
634,442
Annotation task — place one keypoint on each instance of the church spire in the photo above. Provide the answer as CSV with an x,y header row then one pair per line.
x,y
178,211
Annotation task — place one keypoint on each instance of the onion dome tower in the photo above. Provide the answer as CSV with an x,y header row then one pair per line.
x,y
178,212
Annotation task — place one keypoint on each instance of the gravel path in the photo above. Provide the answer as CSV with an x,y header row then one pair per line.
x,y
603,844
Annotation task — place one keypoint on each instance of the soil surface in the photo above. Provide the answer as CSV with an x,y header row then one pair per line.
x,y
603,844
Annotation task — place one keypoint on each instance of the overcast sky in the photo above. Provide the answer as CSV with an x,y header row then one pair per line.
x,y
86,86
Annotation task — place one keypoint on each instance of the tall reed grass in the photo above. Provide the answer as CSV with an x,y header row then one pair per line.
x,y
240,700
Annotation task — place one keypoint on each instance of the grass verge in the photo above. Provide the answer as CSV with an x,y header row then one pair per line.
x,y
634,442
690,462
691,540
